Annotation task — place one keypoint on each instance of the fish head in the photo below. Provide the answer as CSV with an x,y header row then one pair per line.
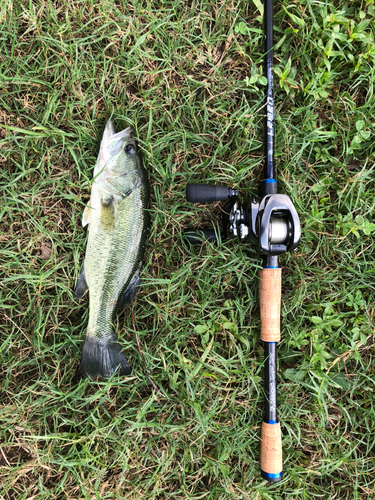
x,y
118,151
118,171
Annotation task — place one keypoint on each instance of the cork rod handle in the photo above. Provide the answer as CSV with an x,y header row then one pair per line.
x,y
271,460
271,452
270,302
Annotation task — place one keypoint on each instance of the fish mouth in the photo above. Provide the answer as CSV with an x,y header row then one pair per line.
x,y
126,133
109,131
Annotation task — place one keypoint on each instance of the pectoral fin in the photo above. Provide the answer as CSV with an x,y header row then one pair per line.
x,y
82,286
107,213
86,218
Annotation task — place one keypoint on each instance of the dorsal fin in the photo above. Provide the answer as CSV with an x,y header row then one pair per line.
x,y
128,295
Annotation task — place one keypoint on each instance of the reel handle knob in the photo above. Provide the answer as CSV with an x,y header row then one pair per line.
x,y
208,193
197,237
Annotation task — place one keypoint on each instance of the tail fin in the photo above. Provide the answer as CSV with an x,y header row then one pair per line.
x,y
102,357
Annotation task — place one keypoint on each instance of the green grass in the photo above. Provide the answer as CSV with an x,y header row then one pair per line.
x,y
187,76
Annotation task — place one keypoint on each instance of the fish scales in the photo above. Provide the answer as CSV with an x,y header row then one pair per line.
x,y
107,277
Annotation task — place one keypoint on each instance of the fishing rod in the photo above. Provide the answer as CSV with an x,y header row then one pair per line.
x,y
272,222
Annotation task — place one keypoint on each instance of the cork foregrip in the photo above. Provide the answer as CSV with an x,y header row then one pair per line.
x,y
271,452
270,302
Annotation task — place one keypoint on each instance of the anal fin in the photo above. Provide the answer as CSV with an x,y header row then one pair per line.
x,y
81,286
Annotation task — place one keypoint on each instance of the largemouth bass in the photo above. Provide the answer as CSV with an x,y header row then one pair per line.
x,y
118,222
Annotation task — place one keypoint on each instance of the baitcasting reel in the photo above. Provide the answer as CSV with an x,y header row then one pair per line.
x,y
272,222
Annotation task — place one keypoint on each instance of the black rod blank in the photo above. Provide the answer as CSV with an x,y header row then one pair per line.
x,y
269,169
270,366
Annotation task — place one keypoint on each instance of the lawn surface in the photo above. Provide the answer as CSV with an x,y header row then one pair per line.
x,y
188,77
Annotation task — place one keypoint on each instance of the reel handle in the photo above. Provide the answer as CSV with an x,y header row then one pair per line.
x,y
208,193
196,237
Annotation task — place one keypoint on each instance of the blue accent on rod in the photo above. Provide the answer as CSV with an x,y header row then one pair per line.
x,y
266,475
270,261
269,181
270,421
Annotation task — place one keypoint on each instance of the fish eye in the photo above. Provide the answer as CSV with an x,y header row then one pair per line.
x,y
130,149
